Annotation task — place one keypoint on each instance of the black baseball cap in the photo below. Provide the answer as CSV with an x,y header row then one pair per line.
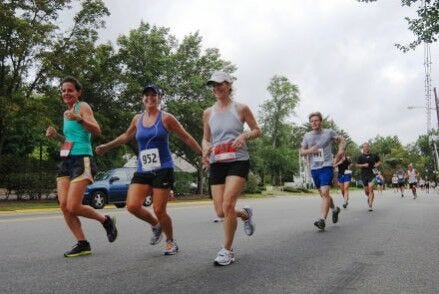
x,y
154,88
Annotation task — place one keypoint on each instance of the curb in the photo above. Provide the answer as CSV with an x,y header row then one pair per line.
x,y
110,206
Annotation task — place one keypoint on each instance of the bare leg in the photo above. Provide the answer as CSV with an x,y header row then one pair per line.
x,y
135,198
160,197
72,221
327,201
228,195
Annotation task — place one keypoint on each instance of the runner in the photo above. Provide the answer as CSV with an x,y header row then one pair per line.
x,y
77,168
225,150
400,175
155,168
379,180
368,163
344,176
412,179
421,183
317,145
395,182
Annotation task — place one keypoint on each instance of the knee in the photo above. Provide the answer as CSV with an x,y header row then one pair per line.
x,y
63,207
160,212
228,208
72,208
133,208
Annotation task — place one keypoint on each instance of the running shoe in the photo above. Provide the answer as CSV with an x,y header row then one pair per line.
x,y
81,248
249,225
320,224
335,213
156,235
224,257
171,247
110,226
345,205
370,209
218,220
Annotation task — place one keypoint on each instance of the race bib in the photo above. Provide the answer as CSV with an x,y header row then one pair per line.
x,y
150,159
318,157
348,172
224,152
65,149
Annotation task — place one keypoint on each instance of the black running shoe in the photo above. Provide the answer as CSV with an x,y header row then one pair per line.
x,y
81,248
335,213
110,227
320,224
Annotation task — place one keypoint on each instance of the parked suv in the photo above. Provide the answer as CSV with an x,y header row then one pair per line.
x,y
111,187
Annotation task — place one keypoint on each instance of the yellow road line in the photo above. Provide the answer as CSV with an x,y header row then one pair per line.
x,y
26,219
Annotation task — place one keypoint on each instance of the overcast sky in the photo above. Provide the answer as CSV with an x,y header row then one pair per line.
x,y
340,53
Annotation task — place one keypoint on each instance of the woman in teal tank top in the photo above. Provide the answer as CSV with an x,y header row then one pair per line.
x,y
76,169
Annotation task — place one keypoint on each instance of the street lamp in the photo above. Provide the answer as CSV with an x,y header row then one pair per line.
x,y
419,107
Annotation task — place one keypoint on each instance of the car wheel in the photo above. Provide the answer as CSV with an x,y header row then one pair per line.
x,y
98,199
120,205
148,201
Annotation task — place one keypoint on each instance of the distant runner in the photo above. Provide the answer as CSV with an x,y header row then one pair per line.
x,y
412,177
317,146
344,176
368,163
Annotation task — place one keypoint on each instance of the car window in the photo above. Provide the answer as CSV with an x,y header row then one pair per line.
x,y
121,174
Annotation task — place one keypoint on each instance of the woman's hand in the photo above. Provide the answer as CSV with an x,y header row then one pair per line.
x,y
240,141
51,133
101,149
70,114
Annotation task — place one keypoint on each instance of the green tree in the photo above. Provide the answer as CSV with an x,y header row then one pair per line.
x,y
30,39
425,26
278,157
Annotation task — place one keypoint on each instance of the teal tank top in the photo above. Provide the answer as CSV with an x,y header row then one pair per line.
x,y
76,133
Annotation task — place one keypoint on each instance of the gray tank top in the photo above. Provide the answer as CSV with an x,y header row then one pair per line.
x,y
225,127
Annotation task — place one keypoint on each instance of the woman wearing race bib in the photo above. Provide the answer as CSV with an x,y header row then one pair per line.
x,y
412,176
225,151
155,168
77,169
344,176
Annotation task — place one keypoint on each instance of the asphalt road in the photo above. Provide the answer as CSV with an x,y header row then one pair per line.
x,y
393,249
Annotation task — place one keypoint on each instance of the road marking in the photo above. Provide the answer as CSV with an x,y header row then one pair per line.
x,y
26,219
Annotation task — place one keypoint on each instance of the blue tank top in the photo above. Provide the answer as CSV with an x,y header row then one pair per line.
x,y
153,143
76,133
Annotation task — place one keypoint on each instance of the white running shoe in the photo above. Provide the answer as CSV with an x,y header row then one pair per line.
x,y
224,257
218,220
249,226
171,248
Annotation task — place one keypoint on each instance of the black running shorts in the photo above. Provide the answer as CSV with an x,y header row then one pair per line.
x,y
366,179
220,170
161,179
77,168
